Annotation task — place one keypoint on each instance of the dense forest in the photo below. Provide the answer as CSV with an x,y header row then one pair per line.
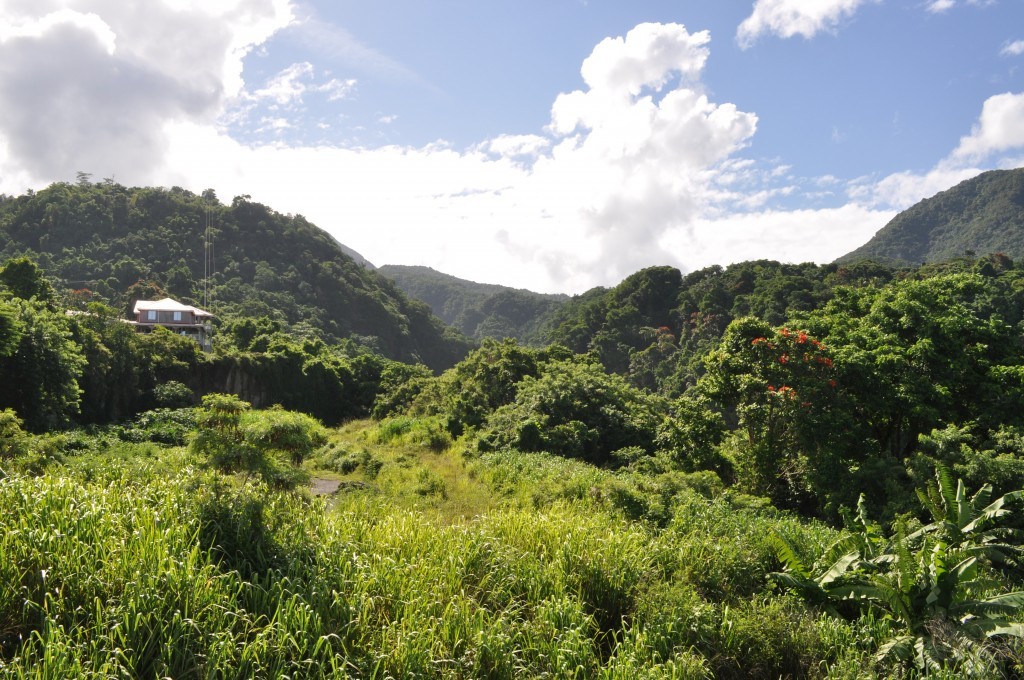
x,y
121,244
758,471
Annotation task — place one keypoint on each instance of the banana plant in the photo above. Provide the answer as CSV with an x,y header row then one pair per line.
x,y
935,584
971,523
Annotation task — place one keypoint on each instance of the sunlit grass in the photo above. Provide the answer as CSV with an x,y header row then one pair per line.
x,y
136,562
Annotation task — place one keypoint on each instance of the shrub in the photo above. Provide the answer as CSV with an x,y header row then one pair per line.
x,y
275,430
13,441
236,439
163,426
173,394
576,410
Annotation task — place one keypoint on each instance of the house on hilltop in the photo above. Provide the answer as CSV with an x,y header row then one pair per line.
x,y
176,317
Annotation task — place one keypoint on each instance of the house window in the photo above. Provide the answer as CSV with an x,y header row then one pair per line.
x,y
177,316
151,315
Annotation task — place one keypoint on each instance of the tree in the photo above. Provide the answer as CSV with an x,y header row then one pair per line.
x,y
919,354
39,380
218,434
23,278
780,387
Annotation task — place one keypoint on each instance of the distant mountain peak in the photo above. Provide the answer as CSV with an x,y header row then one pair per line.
x,y
981,215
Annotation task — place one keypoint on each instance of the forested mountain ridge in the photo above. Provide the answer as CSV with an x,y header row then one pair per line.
x,y
656,326
982,215
479,310
119,244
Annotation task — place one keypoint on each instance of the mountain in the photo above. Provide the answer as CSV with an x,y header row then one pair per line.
x,y
981,215
479,310
119,244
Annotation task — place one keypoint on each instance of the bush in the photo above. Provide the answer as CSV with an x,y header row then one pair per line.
x,y
173,394
13,441
163,426
236,439
576,410
275,430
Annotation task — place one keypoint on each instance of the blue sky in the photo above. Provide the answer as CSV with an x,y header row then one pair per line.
x,y
548,145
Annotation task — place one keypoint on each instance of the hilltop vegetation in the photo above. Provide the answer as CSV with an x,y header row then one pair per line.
x,y
120,244
982,215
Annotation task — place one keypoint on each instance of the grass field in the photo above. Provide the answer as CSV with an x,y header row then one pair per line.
x,y
127,560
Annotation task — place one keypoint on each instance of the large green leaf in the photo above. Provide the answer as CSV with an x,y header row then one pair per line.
x,y
987,628
899,648
993,510
838,568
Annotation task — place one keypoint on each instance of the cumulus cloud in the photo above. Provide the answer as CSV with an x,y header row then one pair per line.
x,y
1000,128
788,18
1013,49
641,137
92,84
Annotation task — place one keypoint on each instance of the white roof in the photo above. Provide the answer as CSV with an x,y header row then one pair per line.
x,y
168,305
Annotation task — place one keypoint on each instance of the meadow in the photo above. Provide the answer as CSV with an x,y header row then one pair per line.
x,y
137,559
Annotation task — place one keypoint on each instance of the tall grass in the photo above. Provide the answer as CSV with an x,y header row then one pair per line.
x,y
129,563
197,576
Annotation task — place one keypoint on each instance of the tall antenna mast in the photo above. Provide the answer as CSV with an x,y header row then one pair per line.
x,y
206,257
209,262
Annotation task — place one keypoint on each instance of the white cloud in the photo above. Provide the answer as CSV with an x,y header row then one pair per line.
x,y
1013,49
289,86
518,145
336,88
788,18
788,236
940,6
903,189
1000,128
91,84
634,150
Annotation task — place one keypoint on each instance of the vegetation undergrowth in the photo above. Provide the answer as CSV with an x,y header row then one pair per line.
x,y
134,559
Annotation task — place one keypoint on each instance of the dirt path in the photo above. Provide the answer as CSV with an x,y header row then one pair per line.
x,y
322,487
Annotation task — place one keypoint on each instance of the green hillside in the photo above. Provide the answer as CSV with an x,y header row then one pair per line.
x,y
479,310
119,244
982,215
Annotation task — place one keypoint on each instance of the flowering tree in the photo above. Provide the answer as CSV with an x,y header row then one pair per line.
x,y
780,387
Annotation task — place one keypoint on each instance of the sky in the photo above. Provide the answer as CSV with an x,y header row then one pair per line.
x,y
553,145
